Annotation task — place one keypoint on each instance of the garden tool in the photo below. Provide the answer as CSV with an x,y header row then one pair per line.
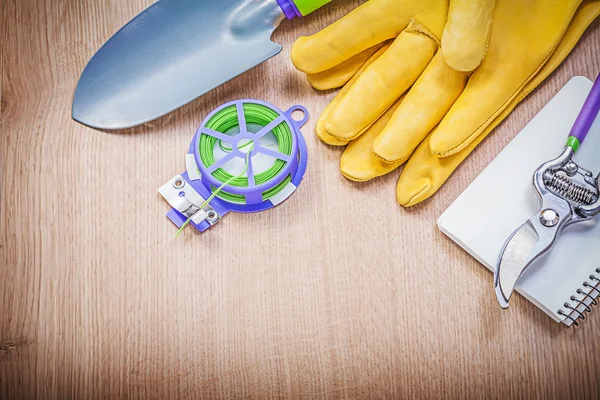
x,y
174,52
446,112
247,156
569,194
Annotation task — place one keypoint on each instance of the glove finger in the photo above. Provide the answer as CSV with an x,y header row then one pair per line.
x,y
381,84
425,173
341,74
514,57
358,162
467,32
425,105
321,131
366,26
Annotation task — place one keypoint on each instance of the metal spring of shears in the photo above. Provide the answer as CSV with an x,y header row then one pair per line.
x,y
569,190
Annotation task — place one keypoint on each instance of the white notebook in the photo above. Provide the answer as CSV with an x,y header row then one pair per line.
x,y
502,197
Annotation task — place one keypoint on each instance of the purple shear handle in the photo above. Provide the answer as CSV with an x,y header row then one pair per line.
x,y
586,117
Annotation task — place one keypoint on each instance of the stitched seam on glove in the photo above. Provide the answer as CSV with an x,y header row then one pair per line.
x,y
359,134
353,178
400,160
328,142
471,137
416,26
410,201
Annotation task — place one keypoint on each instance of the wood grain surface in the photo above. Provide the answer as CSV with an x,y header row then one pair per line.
x,y
338,293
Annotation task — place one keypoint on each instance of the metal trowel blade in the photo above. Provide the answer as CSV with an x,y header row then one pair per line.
x,y
170,54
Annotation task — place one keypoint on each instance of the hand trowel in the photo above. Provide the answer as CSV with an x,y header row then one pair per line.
x,y
176,51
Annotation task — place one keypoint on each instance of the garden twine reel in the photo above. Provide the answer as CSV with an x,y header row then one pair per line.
x,y
247,156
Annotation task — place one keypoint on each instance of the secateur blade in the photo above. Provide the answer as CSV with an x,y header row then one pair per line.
x,y
170,54
529,242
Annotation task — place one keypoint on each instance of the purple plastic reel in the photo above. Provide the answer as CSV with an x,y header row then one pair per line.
x,y
275,167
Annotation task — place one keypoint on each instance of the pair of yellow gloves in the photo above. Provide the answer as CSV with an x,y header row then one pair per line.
x,y
425,81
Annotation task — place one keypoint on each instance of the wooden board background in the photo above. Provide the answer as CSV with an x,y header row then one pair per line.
x,y
338,293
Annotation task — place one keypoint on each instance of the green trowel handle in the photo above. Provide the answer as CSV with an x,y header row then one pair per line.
x,y
307,6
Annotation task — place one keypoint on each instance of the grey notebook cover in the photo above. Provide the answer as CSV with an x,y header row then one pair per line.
x,y
502,197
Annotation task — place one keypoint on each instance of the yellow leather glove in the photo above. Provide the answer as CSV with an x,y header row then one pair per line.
x,y
425,173
447,111
466,26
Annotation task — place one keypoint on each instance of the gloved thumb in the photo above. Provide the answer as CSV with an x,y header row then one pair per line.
x,y
466,34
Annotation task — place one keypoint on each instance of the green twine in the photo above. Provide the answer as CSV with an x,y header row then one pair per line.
x,y
215,194
227,119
